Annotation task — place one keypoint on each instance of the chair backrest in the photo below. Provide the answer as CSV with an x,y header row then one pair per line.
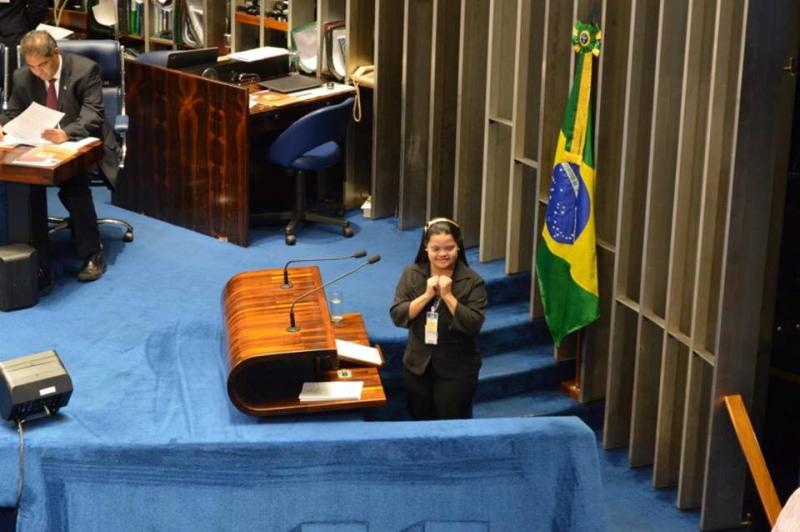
x,y
108,54
327,124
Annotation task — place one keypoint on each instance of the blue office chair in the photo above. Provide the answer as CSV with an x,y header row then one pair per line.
x,y
109,55
310,144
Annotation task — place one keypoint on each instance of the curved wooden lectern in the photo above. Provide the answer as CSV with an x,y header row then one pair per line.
x,y
267,364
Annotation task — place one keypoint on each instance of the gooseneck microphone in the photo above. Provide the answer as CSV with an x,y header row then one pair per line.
x,y
286,284
292,325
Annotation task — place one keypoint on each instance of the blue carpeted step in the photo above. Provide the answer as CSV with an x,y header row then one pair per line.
x,y
508,327
516,372
509,288
547,402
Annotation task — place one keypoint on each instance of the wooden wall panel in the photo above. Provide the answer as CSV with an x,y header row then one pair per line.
x,y
647,376
663,150
471,119
522,201
643,29
359,16
499,114
417,37
671,412
719,142
695,433
619,389
594,369
386,131
443,106
556,54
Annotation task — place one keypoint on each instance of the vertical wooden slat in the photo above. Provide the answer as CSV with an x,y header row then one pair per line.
x,y
471,119
386,140
443,107
630,218
359,16
499,114
725,73
695,434
619,393
522,180
646,379
416,111
671,411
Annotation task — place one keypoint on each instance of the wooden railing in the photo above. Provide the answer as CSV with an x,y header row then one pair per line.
x,y
754,456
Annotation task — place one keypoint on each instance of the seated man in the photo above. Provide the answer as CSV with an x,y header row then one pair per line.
x,y
71,84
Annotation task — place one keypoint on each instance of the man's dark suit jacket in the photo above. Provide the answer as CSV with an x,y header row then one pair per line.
x,y
80,98
17,18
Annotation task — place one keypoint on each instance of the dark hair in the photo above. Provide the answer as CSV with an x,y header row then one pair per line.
x,y
440,226
38,42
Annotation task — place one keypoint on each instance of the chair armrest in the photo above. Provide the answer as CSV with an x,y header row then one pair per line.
x,y
121,124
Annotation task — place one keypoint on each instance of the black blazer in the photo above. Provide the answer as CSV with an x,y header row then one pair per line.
x,y
18,17
456,354
80,98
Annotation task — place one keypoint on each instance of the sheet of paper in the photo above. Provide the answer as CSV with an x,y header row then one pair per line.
x,y
45,155
259,53
105,12
354,352
331,391
56,32
76,144
27,128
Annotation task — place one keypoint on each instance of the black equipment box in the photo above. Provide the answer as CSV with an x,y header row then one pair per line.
x,y
19,284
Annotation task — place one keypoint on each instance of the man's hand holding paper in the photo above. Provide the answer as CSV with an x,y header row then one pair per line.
x,y
35,125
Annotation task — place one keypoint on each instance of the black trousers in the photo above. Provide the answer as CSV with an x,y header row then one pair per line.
x,y
76,196
431,396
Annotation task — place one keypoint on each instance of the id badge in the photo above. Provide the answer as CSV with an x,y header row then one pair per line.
x,y
432,328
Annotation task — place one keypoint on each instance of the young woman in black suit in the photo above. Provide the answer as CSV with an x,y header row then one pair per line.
x,y
442,302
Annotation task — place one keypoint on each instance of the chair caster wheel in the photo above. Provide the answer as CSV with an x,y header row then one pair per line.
x,y
347,231
128,236
290,240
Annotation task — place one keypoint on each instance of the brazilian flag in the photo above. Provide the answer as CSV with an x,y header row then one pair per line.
x,y
566,259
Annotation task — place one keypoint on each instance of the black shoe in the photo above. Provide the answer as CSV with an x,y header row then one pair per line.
x,y
93,268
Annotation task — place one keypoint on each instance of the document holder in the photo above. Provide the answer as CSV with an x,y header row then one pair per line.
x,y
288,84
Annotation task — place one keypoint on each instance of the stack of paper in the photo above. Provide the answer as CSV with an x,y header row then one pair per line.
x,y
51,155
331,391
361,354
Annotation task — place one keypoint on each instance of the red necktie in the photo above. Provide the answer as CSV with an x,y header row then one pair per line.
x,y
52,101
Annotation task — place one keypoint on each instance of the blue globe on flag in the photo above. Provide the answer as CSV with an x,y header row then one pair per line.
x,y
569,204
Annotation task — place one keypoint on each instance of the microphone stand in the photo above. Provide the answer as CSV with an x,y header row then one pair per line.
x,y
292,324
286,284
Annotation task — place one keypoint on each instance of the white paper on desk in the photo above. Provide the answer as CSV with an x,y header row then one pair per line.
x,y
105,12
331,391
76,144
27,128
259,53
361,354
54,31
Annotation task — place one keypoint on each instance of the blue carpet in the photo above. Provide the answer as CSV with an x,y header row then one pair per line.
x,y
155,317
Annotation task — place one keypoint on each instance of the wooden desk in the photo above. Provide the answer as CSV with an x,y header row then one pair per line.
x,y
268,364
191,143
26,199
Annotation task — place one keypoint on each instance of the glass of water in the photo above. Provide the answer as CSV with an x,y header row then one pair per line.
x,y
335,299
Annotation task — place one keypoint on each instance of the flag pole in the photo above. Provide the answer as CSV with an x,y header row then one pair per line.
x,y
573,387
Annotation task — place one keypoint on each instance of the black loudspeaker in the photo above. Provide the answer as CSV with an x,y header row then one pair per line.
x,y
33,385
19,285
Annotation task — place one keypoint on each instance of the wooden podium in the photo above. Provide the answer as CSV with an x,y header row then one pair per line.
x,y
267,364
